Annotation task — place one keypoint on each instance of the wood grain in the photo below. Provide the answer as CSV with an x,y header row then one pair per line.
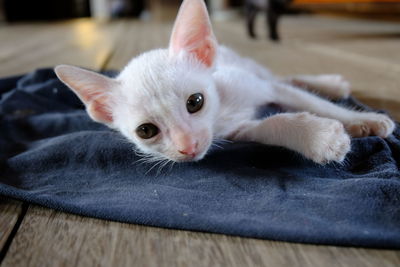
x,y
366,53
10,212
81,42
24,48
50,238
138,38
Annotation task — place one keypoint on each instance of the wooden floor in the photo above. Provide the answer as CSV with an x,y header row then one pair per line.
x,y
366,52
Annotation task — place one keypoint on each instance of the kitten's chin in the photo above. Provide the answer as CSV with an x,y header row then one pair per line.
x,y
189,159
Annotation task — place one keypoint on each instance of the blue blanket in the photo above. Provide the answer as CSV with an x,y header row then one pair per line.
x,y
53,155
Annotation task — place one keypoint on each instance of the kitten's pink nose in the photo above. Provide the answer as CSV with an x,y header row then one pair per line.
x,y
189,150
184,142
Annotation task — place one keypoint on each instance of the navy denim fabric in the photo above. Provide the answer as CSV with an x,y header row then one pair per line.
x,y
53,155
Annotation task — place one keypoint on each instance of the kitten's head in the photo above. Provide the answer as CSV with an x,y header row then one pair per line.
x,y
164,101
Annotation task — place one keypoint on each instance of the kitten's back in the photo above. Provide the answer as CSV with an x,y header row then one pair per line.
x,y
228,57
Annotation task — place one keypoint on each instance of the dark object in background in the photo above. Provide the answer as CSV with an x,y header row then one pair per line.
x,y
273,10
127,8
17,10
22,10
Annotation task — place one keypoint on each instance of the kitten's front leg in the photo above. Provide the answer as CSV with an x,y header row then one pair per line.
x,y
319,139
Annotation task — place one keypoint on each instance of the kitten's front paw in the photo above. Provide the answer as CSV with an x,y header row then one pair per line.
x,y
371,124
327,142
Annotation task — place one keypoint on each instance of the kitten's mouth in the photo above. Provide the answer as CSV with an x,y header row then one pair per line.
x,y
188,158
198,155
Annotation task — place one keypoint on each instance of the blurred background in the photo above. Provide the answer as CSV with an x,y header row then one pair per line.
x,y
359,39
24,10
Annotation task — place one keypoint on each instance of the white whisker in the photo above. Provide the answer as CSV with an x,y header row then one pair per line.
x,y
155,165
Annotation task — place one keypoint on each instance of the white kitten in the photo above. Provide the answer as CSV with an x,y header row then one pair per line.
x,y
172,103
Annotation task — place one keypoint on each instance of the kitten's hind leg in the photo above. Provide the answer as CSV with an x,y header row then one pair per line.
x,y
333,86
358,124
319,139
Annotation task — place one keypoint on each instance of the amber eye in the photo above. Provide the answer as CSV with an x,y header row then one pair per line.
x,y
194,103
147,130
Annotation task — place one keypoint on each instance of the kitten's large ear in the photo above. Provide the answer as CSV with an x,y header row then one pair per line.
x,y
92,88
193,33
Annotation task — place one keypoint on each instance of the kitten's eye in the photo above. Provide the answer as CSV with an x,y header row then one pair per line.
x,y
147,130
195,103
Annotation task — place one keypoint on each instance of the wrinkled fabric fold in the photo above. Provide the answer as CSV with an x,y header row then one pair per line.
x,y
53,155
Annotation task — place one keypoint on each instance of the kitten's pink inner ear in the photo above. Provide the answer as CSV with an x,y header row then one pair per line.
x,y
92,88
99,110
193,33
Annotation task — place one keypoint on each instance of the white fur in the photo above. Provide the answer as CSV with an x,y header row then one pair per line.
x,y
154,88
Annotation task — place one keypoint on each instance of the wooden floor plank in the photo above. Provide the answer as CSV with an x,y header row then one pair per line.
x,y
27,47
81,42
138,37
9,213
51,238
